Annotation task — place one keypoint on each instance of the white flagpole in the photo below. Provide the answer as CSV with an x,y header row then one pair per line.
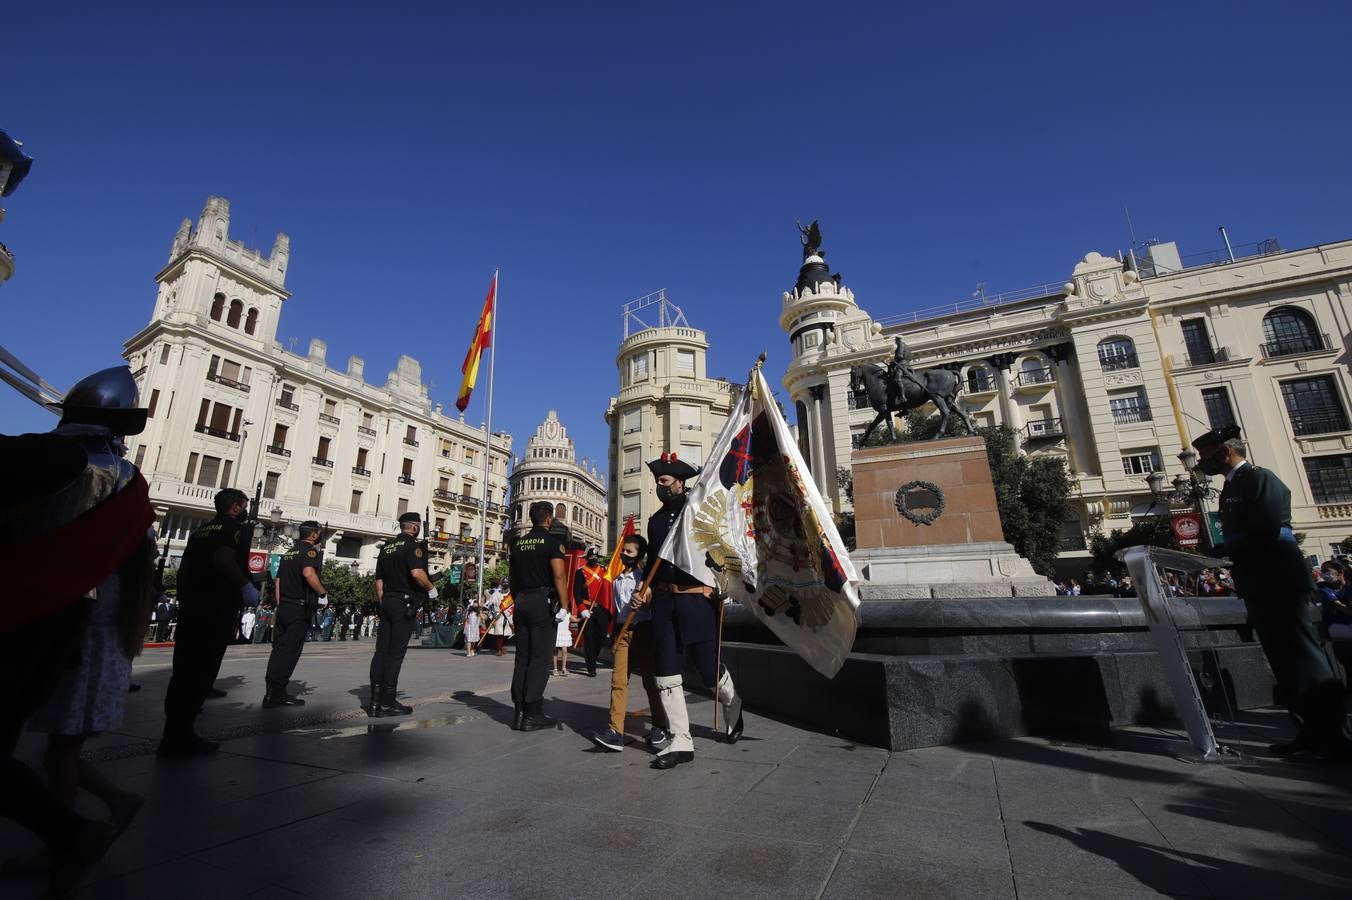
x,y
488,428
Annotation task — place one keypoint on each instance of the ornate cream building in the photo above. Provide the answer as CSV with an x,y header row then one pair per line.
x,y
230,407
1115,371
549,470
667,403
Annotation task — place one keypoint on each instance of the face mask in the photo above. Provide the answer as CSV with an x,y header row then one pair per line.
x,y
664,492
629,561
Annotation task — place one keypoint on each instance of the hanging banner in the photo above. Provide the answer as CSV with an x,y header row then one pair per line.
x,y
258,561
1187,528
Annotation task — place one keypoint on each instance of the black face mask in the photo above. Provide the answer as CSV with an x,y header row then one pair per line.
x,y
665,493
629,561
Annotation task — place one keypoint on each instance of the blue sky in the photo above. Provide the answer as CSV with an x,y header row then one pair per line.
x,y
597,153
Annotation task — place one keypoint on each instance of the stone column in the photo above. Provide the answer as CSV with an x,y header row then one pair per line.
x,y
1066,405
818,462
1009,408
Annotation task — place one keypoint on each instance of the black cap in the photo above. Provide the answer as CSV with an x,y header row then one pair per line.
x,y
668,464
1215,437
410,517
310,525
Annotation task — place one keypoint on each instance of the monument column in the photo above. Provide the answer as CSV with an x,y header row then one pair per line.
x,y
1009,409
818,461
1065,404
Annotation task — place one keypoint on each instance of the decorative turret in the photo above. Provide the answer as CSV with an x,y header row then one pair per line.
x,y
818,297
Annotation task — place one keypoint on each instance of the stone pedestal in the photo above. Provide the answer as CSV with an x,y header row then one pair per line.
x,y
927,525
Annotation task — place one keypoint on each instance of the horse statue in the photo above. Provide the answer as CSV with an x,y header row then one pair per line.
x,y
890,391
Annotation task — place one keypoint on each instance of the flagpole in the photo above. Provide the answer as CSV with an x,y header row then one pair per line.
x,y
488,428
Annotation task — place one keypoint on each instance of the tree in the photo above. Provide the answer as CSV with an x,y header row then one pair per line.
x,y
1151,531
347,588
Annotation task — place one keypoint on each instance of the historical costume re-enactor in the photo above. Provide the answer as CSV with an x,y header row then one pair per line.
x,y
297,592
73,530
685,617
1272,577
599,611
402,586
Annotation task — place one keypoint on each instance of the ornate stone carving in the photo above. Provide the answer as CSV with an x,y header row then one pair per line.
x,y
921,502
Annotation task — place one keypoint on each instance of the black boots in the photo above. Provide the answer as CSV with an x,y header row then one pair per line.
x,y
372,706
518,717
387,704
276,697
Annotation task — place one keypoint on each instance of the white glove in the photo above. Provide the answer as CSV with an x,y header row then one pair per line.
x,y
250,594
586,613
432,594
323,599
560,616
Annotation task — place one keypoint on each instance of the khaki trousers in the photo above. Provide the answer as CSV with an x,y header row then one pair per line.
x,y
634,652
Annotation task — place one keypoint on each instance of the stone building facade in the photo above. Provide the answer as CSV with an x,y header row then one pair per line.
x,y
549,470
1115,371
667,403
230,407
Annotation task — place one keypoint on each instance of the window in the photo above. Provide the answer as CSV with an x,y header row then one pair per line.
x,y
1314,406
1288,330
287,398
236,312
407,470
1219,412
1330,478
367,421
685,363
692,453
1117,353
210,472
1197,342
217,307
640,367
154,402
1071,536
633,420
361,457
469,455
690,418
1129,408
411,436
628,506
270,485
979,379
322,453
331,408
192,468
561,512
164,355
444,484
251,322
1034,371
575,514
467,490
440,524
279,436
1140,463
402,506
355,506
316,493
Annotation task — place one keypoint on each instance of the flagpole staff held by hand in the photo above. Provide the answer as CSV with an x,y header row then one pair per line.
x,y
641,597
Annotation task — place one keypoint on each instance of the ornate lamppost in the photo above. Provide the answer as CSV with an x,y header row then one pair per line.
x,y
1190,488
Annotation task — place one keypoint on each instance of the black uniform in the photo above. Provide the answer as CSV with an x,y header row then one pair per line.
x,y
399,602
597,630
215,567
298,602
683,618
1271,575
532,579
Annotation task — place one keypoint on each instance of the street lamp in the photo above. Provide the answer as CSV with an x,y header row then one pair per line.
x,y
1192,488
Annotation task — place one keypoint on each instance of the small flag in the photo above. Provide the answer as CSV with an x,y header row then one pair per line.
x,y
615,567
483,336
755,526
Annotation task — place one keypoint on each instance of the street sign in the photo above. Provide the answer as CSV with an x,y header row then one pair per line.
x,y
1187,528
1213,521
258,561
274,563
455,571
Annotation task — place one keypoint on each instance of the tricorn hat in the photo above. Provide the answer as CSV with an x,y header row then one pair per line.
x,y
107,398
410,517
1215,437
668,464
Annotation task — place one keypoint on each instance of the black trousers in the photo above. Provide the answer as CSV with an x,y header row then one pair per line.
x,y
287,642
392,635
199,646
33,658
670,649
535,630
595,637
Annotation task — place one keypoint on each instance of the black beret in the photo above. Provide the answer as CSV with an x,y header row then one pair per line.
x,y
409,517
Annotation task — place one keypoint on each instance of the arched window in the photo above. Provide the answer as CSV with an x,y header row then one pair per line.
x,y
236,312
251,322
561,512
979,379
1034,370
575,515
1117,353
1287,330
217,307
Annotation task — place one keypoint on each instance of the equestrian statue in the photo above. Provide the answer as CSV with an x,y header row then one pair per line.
x,y
898,388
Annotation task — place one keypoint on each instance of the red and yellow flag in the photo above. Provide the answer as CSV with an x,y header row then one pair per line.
x,y
616,567
483,337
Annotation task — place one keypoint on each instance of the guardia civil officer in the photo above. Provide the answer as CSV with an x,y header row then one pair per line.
x,y
402,586
539,578
1271,575
213,577
297,591
685,618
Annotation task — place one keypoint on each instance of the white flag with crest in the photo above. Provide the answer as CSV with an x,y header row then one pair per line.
x,y
755,526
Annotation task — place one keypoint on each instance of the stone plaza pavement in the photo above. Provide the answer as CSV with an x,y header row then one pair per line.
x,y
321,802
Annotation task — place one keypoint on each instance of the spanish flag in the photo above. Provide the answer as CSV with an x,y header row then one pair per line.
x,y
616,567
483,337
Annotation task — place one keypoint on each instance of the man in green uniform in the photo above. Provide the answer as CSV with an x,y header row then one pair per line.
x,y
402,586
213,578
1272,577
297,591
538,576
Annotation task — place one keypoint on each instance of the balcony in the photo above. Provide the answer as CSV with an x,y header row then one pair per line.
x,y
984,384
1043,429
1310,343
440,494
278,451
1318,419
1035,378
1131,415
216,432
321,461
358,470
439,538
228,382
633,429
284,403
369,432
410,442
1119,361
405,479
332,420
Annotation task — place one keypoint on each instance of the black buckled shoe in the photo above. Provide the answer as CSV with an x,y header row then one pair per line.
x,y
517,718
735,732
673,759
372,705
275,698
537,722
391,705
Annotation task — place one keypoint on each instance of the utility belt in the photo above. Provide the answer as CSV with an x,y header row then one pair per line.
x,y
301,602
554,605
684,589
410,602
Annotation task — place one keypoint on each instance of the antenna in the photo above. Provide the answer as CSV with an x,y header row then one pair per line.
x,y
669,315
291,345
1131,229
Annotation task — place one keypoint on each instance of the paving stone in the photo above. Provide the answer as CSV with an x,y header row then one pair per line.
x,y
904,874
